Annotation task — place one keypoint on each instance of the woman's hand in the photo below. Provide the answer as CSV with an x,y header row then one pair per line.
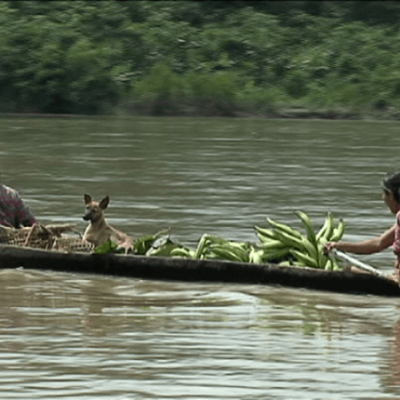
x,y
328,247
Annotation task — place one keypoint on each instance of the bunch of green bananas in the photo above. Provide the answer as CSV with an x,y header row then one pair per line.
x,y
306,250
211,247
281,243
215,247
208,247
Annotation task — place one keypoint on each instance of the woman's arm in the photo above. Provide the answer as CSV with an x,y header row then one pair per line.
x,y
365,247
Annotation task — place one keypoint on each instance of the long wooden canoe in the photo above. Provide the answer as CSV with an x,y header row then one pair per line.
x,y
189,270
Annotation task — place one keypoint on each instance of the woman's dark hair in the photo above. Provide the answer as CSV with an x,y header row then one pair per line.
x,y
392,183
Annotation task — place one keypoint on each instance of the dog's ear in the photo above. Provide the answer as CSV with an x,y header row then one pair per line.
x,y
104,203
87,198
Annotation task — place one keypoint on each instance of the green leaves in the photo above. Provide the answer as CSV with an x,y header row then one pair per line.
x,y
144,243
215,58
106,248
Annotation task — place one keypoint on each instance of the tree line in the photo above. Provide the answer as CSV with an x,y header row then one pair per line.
x,y
199,57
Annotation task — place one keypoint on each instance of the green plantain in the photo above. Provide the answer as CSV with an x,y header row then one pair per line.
x,y
338,232
305,259
279,227
308,224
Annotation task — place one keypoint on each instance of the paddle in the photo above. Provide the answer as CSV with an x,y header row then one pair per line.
x,y
359,264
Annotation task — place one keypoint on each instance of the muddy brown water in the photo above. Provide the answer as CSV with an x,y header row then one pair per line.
x,y
79,336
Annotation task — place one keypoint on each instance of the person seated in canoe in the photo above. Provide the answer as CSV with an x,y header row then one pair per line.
x,y
391,196
13,211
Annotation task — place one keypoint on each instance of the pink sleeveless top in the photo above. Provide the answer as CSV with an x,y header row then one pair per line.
x,y
396,243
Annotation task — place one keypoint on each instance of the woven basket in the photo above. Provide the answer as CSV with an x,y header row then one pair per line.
x,y
49,237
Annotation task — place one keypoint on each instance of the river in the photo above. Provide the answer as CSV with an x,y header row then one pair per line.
x,y
79,336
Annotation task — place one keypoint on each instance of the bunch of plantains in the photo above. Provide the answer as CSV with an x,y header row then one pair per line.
x,y
278,244
305,249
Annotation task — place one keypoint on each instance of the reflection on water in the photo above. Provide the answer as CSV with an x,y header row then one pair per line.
x,y
81,336
74,336
84,337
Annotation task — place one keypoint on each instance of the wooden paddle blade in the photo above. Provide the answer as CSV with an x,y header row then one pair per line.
x,y
352,261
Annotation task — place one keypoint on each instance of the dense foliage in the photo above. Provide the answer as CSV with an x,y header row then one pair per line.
x,y
199,57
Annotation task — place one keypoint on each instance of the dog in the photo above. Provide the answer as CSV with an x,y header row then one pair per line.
x,y
99,231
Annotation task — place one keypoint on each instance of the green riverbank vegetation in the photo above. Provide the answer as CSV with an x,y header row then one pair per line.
x,y
329,59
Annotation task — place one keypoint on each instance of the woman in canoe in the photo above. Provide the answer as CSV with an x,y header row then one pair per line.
x,y
13,210
391,196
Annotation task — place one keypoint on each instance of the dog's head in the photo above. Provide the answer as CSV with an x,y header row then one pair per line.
x,y
94,210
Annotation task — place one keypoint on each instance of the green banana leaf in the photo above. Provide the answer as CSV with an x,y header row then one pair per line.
x,y
106,248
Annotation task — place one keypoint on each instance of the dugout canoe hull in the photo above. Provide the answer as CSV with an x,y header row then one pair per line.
x,y
188,270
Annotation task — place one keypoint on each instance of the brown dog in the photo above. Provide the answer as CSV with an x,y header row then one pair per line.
x,y
99,231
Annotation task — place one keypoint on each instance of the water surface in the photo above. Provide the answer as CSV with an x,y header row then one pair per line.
x,y
91,337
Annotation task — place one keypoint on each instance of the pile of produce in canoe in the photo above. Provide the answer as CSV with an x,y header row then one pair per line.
x,y
278,243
